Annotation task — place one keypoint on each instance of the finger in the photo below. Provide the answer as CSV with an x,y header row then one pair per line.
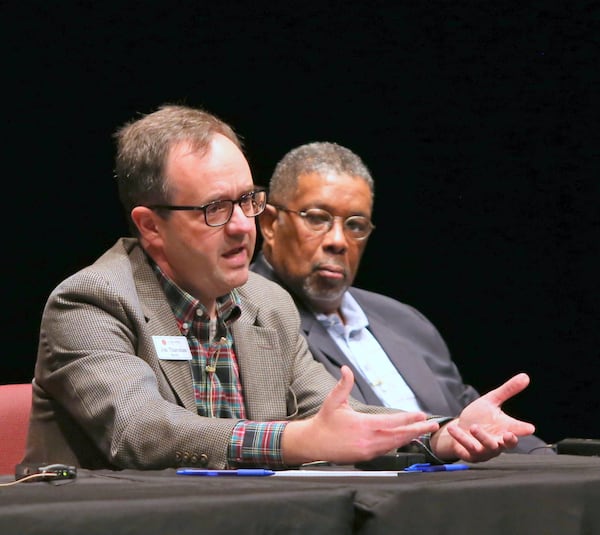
x,y
475,446
399,420
341,391
463,438
394,437
413,423
521,428
510,388
510,440
488,440
507,440
400,426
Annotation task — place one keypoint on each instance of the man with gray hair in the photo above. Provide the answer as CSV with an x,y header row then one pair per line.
x,y
315,230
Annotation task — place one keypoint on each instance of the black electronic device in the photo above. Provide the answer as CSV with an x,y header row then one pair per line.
x,y
578,446
45,472
392,461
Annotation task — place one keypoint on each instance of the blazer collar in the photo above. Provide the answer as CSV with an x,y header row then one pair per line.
x,y
160,321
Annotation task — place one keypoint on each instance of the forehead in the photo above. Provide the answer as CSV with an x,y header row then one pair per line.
x,y
221,163
334,190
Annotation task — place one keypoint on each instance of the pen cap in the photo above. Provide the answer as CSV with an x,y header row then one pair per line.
x,y
453,467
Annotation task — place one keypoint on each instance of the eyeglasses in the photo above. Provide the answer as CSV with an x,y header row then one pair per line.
x,y
320,221
218,213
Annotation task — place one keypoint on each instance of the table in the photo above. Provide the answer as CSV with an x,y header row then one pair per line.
x,y
516,494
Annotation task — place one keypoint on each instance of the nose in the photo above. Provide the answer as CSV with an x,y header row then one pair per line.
x,y
239,222
336,237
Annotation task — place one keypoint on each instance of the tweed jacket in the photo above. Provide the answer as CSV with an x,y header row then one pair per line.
x,y
412,343
103,399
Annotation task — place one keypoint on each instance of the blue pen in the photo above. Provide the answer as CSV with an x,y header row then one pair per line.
x,y
428,467
213,473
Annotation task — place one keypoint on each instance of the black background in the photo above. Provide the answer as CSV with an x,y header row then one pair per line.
x,y
479,121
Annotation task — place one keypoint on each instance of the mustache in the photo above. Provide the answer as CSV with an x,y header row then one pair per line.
x,y
331,266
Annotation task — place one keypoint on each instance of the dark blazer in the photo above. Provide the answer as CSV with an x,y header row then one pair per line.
x,y
412,343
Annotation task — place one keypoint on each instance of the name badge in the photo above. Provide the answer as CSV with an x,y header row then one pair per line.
x,y
172,347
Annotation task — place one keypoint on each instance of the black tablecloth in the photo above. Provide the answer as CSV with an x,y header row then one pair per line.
x,y
513,494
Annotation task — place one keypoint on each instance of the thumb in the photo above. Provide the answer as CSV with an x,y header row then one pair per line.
x,y
341,391
507,390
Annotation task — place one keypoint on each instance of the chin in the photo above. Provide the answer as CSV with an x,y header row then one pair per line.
x,y
239,278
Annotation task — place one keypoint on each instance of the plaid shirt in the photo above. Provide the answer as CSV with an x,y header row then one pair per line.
x,y
216,377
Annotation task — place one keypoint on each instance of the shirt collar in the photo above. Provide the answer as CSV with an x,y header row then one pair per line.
x,y
186,307
355,318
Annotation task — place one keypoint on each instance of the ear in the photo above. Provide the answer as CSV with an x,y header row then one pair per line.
x,y
266,221
145,221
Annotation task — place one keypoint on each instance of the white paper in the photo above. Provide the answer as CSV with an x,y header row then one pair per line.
x,y
338,473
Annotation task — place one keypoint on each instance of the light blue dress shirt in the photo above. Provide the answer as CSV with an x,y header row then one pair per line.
x,y
367,356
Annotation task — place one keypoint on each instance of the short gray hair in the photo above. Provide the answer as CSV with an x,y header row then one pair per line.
x,y
316,157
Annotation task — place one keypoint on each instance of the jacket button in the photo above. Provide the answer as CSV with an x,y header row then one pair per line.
x,y
203,461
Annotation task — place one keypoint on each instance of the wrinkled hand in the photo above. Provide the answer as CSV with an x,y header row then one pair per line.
x,y
339,434
483,430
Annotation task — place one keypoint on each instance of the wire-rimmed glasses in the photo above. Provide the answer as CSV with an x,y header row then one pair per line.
x,y
320,221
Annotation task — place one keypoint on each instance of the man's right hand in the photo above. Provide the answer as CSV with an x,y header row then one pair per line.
x,y
339,434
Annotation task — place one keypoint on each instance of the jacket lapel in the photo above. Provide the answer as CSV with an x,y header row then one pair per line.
x,y
408,360
161,322
320,342
259,357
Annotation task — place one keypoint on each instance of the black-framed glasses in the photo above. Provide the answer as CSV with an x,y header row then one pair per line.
x,y
320,221
218,213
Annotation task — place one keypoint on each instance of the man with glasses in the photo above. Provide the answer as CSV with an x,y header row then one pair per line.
x,y
167,351
315,230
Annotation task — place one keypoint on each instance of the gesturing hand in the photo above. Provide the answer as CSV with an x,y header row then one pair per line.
x,y
339,434
483,430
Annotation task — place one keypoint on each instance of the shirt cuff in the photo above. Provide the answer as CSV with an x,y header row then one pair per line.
x,y
256,444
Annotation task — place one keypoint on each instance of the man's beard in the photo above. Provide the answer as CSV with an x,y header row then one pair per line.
x,y
320,291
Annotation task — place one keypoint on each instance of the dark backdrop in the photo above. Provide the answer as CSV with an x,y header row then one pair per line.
x,y
479,122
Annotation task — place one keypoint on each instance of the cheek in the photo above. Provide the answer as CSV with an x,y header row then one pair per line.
x,y
202,242
295,250
306,248
354,256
